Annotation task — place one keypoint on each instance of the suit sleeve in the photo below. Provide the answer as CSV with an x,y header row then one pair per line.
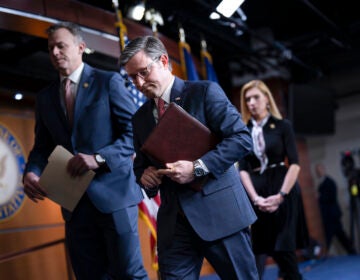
x,y
224,119
122,108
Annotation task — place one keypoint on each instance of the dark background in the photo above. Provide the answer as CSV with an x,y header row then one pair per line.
x,y
312,43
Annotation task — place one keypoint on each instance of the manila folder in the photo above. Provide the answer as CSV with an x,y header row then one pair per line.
x,y
59,185
178,136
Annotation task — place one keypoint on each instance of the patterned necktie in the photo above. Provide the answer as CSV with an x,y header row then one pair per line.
x,y
161,107
69,100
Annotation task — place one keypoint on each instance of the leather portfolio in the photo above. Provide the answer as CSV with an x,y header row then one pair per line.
x,y
178,136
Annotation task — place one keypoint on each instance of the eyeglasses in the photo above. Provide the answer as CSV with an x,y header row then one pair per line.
x,y
144,73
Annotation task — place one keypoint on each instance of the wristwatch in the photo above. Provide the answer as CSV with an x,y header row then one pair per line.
x,y
198,169
283,194
99,159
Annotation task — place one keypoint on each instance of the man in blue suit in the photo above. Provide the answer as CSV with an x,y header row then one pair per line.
x,y
213,222
101,232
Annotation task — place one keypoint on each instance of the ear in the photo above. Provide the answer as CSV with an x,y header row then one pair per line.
x,y
164,59
82,47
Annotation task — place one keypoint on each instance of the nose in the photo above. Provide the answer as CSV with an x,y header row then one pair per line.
x,y
138,81
54,51
251,101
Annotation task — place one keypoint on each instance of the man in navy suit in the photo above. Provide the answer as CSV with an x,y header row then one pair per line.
x,y
101,232
211,223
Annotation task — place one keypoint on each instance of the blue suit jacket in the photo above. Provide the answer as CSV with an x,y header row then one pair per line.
x,y
102,124
222,207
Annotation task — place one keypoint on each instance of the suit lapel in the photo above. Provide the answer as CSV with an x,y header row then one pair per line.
x,y
150,113
54,97
177,92
83,92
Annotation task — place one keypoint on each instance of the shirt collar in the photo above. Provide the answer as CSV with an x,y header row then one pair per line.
x,y
76,75
261,123
166,95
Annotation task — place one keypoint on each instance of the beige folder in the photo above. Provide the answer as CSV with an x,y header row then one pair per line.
x,y
59,185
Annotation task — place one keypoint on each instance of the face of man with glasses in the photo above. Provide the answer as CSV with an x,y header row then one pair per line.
x,y
143,73
148,75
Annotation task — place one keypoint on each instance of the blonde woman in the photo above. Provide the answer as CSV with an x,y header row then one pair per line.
x,y
269,175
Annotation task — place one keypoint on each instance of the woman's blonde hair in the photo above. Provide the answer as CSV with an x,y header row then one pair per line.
x,y
272,107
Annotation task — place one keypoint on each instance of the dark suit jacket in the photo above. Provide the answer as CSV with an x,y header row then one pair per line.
x,y
102,124
329,206
222,207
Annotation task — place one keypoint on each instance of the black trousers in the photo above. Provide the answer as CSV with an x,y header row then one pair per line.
x,y
286,261
335,229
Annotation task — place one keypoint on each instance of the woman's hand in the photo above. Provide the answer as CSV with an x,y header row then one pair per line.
x,y
271,203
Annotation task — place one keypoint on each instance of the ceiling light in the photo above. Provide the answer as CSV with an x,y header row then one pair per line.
x,y
214,16
18,96
137,12
228,7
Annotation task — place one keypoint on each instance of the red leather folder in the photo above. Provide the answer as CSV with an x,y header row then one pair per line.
x,y
178,136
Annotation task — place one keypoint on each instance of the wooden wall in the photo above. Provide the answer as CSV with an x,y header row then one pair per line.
x,y
33,224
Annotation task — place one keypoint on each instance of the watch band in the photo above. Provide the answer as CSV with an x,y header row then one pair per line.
x,y
283,194
198,171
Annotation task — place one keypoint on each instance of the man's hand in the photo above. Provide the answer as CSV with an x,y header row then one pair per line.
x,y
32,187
81,163
150,178
180,171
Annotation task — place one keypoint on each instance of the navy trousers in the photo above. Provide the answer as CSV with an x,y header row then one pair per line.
x,y
231,257
104,246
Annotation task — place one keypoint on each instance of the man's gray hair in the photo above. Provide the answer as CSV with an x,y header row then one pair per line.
x,y
73,28
150,45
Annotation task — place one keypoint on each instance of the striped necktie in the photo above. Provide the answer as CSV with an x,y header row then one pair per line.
x,y
161,107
